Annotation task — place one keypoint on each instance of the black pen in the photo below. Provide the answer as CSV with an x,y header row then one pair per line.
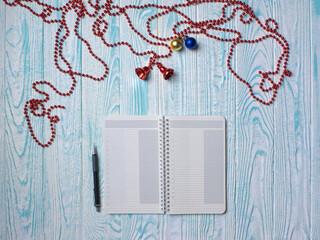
x,y
95,168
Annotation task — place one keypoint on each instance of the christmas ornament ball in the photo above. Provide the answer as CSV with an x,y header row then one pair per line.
x,y
190,43
176,44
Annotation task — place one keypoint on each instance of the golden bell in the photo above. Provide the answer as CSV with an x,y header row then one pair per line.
x,y
176,44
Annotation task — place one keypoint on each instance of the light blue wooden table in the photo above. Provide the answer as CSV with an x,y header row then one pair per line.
x,y
273,152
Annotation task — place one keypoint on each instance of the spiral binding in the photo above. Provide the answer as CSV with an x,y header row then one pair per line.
x,y
164,164
167,166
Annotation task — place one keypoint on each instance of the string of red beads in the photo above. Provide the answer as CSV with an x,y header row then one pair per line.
x,y
37,108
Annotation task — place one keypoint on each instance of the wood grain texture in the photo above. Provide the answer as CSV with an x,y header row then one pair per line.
x,y
23,160
179,97
216,96
292,140
254,136
62,174
137,98
101,99
3,203
315,119
272,152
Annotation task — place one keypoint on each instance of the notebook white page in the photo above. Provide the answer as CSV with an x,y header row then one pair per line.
x,y
197,165
131,158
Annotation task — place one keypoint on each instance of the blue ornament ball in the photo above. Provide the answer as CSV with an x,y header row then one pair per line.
x,y
190,43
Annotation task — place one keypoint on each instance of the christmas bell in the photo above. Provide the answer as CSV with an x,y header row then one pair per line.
x,y
143,73
167,72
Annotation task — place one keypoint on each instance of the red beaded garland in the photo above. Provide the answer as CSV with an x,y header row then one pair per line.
x,y
36,106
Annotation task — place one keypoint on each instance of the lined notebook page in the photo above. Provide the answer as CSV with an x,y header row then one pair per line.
x,y
131,158
197,165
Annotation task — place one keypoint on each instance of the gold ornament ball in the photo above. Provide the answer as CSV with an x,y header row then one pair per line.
x,y
176,44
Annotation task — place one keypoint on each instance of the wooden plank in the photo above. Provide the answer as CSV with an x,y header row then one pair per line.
x,y
292,139
179,96
62,160
254,134
138,97
23,186
3,203
229,111
216,96
99,99
315,121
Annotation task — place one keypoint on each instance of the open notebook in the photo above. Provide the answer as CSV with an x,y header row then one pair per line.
x,y
160,164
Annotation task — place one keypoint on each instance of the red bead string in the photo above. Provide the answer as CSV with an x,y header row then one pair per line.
x,y
37,108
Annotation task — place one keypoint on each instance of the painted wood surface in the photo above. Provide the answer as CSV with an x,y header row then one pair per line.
x,y
315,120
62,162
273,162
2,123
23,161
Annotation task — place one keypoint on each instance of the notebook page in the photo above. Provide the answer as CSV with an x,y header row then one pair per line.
x,y
131,161
197,165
